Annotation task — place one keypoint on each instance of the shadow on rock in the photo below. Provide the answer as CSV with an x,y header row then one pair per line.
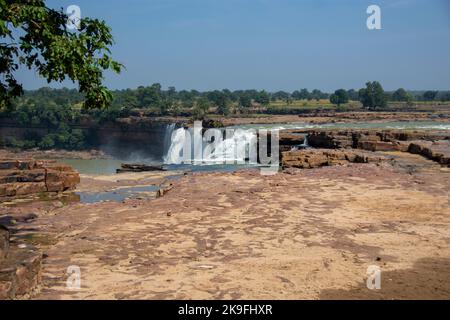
x,y
428,279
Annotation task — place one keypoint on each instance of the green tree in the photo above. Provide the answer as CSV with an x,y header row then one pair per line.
x,y
263,98
245,101
151,96
304,94
430,95
445,97
281,95
316,94
400,95
37,37
339,97
201,108
296,95
353,95
204,104
221,101
373,96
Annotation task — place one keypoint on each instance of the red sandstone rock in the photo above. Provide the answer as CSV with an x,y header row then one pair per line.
x,y
20,272
23,177
429,144
438,151
378,146
374,139
314,158
4,242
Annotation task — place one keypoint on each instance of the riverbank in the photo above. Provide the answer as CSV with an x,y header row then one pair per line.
x,y
317,117
337,117
10,153
305,234
137,138
367,198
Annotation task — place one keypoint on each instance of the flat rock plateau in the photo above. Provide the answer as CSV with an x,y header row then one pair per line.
x,y
299,234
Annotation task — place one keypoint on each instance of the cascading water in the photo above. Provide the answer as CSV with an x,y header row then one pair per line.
x,y
305,144
168,136
177,141
234,148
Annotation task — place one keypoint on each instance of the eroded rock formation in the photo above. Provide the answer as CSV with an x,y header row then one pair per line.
x,y
438,151
432,145
23,177
372,140
314,158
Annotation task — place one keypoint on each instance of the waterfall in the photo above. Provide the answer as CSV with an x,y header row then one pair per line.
x,y
236,147
305,144
168,136
177,140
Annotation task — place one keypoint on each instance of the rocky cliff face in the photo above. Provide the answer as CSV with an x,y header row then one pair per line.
x,y
23,177
120,138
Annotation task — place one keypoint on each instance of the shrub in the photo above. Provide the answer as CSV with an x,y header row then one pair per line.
x,y
47,142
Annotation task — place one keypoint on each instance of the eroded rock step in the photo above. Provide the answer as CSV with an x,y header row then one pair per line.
x,y
432,145
24,177
314,158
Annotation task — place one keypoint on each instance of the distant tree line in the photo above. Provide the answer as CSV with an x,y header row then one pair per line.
x,y
57,109
40,105
156,101
374,97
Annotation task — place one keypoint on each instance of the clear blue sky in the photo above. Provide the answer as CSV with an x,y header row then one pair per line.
x,y
273,44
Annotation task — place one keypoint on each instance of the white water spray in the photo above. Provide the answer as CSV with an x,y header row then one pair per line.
x,y
237,147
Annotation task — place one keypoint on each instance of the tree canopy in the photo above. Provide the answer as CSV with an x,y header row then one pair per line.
x,y
373,96
37,37
430,95
339,97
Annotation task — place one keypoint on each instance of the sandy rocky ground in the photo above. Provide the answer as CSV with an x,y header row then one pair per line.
x,y
301,234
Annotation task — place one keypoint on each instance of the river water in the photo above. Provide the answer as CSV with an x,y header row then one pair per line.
x,y
175,139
